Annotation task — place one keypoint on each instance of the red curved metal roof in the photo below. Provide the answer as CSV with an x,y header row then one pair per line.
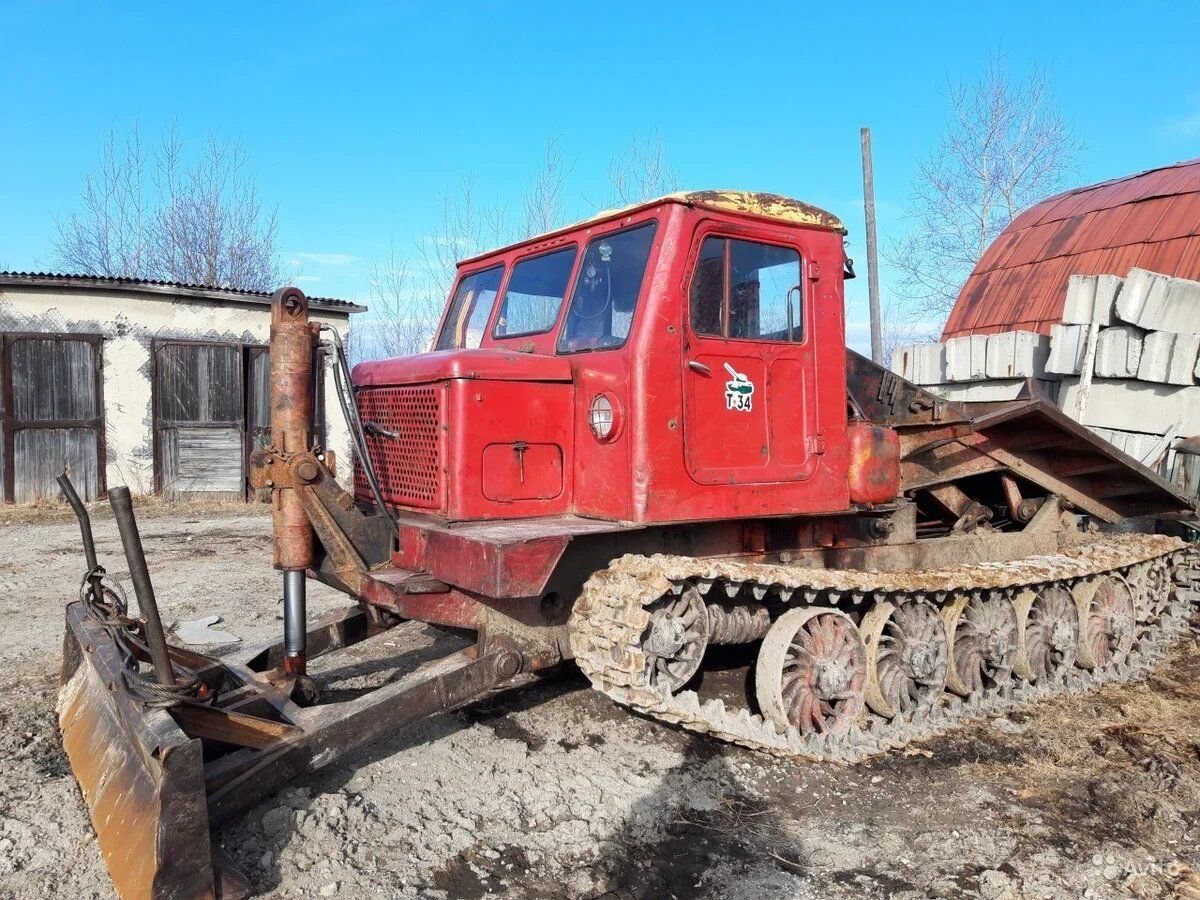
x,y
1149,221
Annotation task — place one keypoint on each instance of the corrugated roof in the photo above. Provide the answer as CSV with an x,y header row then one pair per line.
x,y
1150,220
174,288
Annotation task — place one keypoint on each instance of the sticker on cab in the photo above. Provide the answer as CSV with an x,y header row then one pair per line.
x,y
739,390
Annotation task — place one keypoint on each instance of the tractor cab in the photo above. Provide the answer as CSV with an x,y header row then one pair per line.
x,y
676,360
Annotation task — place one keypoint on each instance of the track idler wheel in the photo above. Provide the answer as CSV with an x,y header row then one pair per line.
x,y
906,656
1107,623
1049,633
984,649
675,639
811,671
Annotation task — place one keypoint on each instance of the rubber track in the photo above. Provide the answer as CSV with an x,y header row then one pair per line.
x,y
610,618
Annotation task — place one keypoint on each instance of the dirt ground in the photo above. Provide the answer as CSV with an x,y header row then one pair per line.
x,y
554,792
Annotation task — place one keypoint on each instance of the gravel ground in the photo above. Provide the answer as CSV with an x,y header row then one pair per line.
x,y
554,792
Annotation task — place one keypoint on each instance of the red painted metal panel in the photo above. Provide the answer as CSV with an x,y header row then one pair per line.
x,y
1189,263
522,471
999,254
515,569
1166,255
1082,237
451,608
1110,228
1075,204
1143,218
487,364
1179,219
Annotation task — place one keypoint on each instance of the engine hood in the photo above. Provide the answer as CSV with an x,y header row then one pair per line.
x,y
445,365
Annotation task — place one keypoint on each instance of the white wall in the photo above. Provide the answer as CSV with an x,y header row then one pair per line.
x,y
129,322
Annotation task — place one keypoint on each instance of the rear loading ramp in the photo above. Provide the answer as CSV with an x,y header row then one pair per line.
x,y
944,442
1034,441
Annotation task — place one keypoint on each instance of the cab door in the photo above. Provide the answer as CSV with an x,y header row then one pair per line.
x,y
749,378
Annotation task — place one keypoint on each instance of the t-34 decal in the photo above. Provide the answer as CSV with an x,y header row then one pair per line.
x,y
739,391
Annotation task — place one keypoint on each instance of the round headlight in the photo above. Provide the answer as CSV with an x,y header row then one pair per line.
x,y
602,417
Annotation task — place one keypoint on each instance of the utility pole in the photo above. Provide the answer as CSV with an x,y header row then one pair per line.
x,y
872,249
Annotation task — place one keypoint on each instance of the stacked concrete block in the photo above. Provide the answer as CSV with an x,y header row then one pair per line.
x,y
920,363
1016,354
1119,352
1141,377
990,391
1184,470
1009,356
966,358
1130,405
1091,298
1148,449
1159,302
1169,358
1067,344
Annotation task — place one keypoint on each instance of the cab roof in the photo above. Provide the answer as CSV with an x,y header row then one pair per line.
x,y
756,204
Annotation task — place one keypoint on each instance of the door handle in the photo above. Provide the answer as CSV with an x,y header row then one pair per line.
x,y
697,366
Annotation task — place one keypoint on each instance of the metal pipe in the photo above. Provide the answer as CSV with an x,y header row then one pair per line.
x,y
85,523
135,556
872,249
295,621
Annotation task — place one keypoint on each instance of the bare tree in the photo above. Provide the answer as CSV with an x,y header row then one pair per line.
x,y
404,315
543,204
641,172
167,217
467,228
1005,147
110,234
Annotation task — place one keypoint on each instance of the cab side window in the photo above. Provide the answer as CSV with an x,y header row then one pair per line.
x,y
747,290
606,290
535,294
708,288
470,309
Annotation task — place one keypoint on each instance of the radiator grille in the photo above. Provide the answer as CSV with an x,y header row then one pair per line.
x,y
409,466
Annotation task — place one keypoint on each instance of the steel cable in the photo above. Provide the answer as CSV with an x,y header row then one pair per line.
x,y
111,612
341,378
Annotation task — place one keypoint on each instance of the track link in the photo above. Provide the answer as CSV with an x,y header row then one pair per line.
x,y
610,621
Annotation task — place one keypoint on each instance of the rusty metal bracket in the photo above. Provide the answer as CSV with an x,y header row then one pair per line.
x,y
352,541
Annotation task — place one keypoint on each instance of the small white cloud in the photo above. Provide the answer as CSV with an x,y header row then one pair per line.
x,y
307,278
1188,124
1185,126
323,259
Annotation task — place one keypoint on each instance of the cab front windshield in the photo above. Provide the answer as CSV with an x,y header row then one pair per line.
x,y
600,307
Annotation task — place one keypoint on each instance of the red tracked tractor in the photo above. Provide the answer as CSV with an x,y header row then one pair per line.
x,y
635,439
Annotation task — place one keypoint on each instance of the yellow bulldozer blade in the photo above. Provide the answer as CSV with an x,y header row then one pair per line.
x,y
142,777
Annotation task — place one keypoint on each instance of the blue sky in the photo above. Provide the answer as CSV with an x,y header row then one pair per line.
x,y
357,118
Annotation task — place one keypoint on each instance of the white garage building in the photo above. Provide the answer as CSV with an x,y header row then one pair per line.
x,y
158,386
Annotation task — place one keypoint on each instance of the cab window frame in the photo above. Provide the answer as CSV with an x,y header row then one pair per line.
x,y
654,224
492,330
727,237
446,320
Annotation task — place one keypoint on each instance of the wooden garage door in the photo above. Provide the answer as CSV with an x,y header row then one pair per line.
x,y
211,411
200,419
51,415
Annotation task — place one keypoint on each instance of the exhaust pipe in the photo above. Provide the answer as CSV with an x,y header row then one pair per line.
x,y
143,589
